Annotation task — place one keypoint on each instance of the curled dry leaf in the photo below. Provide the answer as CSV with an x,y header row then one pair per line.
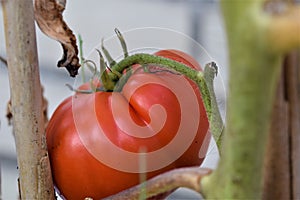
x,y
48,14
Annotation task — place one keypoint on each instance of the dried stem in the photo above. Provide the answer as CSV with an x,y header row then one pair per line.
x,y
293,95
276,182
282,181
169,181
26,98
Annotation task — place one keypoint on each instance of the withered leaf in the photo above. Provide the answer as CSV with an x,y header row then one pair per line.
x,y
48,14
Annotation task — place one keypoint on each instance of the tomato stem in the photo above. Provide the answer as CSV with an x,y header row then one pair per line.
x,y
166,182
81,58
216,121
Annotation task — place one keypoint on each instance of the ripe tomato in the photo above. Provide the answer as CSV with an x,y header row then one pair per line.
x,y
99,143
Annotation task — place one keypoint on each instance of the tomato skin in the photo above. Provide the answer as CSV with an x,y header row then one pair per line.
x,y
179,56
77,173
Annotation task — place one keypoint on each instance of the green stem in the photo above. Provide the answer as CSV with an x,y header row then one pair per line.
x,y
81,57
217,125
254,71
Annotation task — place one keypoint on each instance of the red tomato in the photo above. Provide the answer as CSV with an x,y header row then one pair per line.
x,y
179,56
95,140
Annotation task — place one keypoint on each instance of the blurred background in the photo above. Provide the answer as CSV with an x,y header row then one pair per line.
x,y
190,22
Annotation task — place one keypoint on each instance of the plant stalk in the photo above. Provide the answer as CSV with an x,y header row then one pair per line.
x,y
254,72
26,98
169,181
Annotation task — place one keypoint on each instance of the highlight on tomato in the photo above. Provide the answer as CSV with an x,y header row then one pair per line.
x,y
101,142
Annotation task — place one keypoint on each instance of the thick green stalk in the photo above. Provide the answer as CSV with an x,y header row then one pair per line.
x,y
254,72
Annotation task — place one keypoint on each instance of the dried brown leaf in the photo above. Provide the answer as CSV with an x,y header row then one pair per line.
x,y
48,14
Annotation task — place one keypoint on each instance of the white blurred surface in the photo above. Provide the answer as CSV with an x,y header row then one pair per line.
x,y
94,20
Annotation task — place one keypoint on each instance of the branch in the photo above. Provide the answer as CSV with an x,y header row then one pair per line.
x,y
254,71
26,99
48,14
293,95
284,30
9,114
216,121
169,181
277,178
